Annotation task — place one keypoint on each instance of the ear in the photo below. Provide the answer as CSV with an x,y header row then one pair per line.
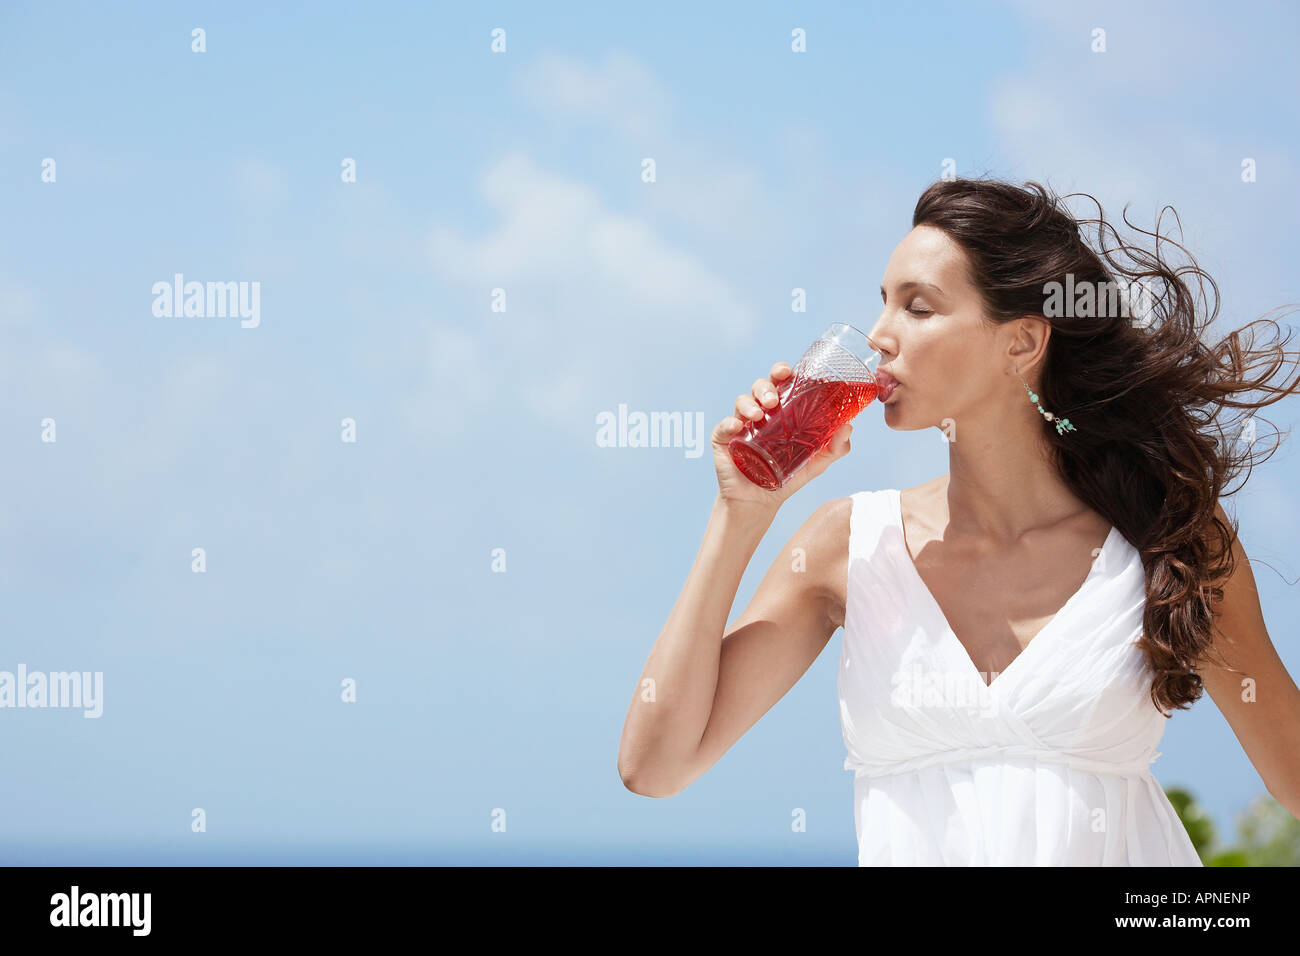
x,y
1027,342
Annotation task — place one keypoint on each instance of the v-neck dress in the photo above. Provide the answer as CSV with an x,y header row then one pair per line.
x,y
1049,765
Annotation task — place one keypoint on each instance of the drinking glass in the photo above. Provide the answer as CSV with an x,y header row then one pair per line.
x,y
833,381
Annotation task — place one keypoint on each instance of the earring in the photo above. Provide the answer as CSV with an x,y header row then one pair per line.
x,y
1062,425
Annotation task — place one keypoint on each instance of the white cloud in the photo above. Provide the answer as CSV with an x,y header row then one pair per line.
x,y
623,95
557,230
1125,126
620,92
1152,50
259,185
453,360
717,197
598,303
17,305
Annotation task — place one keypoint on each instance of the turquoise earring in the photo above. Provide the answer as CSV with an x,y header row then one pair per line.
x,y
1062,425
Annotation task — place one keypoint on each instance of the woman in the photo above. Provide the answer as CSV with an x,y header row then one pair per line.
x,y
1015,631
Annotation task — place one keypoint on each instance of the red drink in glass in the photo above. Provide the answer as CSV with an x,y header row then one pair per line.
x,y
833,381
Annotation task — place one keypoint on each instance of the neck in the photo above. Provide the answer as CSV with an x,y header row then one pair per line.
x,y
1001,481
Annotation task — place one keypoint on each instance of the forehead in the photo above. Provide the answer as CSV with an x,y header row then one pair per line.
x,y
927,254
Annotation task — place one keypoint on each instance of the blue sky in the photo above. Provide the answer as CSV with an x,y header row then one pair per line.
x,y
521,170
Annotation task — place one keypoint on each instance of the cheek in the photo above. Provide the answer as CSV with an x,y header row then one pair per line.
x,y
948,385
945,371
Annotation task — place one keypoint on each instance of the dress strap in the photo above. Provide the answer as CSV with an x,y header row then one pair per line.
x,y
868,518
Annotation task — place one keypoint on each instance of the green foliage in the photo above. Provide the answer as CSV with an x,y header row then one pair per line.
x,y
1267,834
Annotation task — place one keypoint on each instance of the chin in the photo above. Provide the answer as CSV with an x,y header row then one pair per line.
x,y
893,417
897,421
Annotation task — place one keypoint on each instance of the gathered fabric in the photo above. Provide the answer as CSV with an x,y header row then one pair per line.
x,y
1047,765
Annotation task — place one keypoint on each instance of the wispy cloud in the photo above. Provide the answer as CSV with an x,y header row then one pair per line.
x,y
1134,125
618,93
555,229
573,269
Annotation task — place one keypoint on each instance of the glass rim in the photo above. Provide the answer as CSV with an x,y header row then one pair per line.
x,y
866,338
835,329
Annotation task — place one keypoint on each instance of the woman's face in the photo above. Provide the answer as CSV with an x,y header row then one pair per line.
x,y
948,362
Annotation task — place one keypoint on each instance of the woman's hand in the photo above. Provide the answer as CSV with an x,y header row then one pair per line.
x,y
734,489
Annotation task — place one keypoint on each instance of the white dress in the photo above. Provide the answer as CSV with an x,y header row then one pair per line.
x,y
1047,766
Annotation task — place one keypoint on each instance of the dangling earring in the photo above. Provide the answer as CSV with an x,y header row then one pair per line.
x,y
1062,425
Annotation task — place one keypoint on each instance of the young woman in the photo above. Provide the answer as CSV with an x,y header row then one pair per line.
x,y
1017,630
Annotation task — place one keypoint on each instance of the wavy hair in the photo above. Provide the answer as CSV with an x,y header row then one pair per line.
x,y
1145,391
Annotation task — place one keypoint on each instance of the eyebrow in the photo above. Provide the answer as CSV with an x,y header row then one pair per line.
x,y
913,284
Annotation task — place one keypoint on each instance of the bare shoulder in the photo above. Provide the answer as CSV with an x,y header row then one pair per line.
x,y
820,548
923,502
825,533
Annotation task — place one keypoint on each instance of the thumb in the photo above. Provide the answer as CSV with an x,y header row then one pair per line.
x,y
833,451
839,446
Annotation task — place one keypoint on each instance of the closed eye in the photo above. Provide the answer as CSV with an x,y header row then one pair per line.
x,y
919,311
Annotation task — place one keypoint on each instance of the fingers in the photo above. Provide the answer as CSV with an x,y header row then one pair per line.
x,y
765,392
747,409
762,398
727,429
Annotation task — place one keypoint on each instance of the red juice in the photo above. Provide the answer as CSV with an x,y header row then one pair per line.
x,y
808,412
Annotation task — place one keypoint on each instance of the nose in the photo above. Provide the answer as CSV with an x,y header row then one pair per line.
x,y
877,341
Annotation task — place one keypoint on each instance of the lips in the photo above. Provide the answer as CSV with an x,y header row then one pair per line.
x,y
885,384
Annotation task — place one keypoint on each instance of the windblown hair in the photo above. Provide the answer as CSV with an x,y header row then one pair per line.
x,y
1144,391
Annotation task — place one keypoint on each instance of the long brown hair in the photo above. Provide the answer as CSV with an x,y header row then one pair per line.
x,y
1145,392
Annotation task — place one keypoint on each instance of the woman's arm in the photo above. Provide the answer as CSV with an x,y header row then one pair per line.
x,y
1262,702
701,688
